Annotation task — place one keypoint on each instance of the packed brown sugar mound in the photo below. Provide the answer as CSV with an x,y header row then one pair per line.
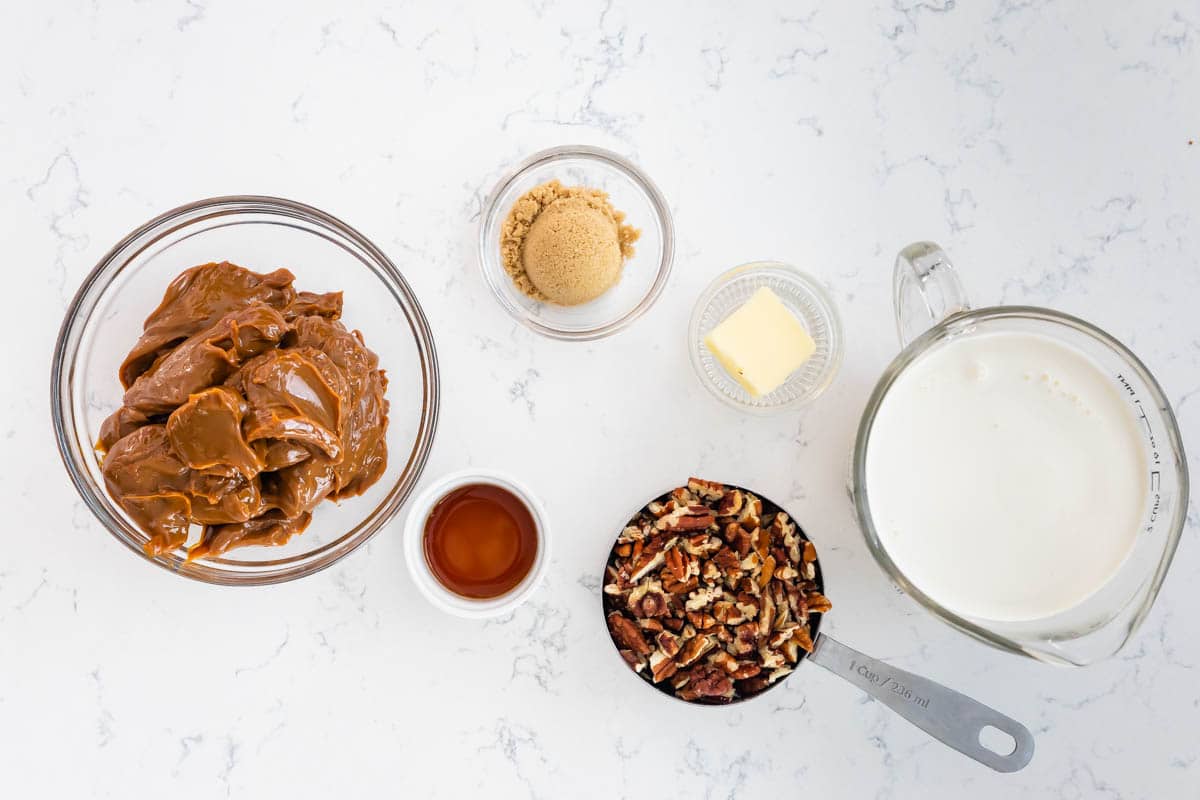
x,y
565,244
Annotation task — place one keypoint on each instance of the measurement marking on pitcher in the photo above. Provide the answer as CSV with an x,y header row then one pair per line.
x,y
888,682
1155,495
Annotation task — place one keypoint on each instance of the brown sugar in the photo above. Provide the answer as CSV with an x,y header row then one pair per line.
x,y
565,244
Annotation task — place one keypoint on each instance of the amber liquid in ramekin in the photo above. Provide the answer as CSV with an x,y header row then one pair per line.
x,y
480,541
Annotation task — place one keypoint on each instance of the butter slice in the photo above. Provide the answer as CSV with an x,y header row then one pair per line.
x,y
761,343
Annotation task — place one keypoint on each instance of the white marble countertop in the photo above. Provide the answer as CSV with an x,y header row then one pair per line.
x,y
1044,144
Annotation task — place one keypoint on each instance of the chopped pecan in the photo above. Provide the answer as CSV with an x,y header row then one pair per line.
x,y
675,564
662,666
745,669
781,556
683,496
731,503
781,634
797,603
745,639
702,597
751,514
770,659
762,543
749,587
647,599
818,603
650,559
748,606
727,561
751,563
668,642
794,546
633,659
627,634
777,673
676,588
694,648
781,527
753,685
727,613
787,572
790,650
708,592
616,581
630,534
766,614
709,490
687,518
723,660
768,571
706,681
701,544
744,542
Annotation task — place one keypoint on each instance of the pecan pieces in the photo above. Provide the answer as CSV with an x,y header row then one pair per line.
x,y
711,593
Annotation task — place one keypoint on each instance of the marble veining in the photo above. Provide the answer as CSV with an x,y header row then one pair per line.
x,y
1051,146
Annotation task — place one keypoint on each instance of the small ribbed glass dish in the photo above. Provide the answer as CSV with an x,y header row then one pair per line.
x,y
805,298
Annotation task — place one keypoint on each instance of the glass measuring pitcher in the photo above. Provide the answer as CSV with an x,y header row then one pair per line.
x,y
932,310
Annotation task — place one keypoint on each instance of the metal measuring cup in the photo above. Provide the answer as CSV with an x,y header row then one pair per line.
x,y
948,716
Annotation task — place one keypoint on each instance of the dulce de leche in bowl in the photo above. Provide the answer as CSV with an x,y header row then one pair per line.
x,y
247,403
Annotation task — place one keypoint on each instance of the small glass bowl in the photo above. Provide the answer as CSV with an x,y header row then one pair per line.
x,y
643,276
414,546
805,298
260,233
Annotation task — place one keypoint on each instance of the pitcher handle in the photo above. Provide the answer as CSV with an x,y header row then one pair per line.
x,y
926,290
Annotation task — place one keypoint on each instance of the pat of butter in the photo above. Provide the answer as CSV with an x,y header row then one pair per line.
x,y
761,343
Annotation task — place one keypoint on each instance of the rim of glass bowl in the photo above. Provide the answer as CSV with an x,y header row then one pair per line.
x,y
814,288
640,179
230,572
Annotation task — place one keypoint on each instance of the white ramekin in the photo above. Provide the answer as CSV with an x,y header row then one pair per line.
x,y
414,550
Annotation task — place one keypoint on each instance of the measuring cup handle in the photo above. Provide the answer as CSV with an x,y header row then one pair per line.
x,y
925,290
948,716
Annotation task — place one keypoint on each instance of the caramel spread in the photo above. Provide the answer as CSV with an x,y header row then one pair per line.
x,y
246,404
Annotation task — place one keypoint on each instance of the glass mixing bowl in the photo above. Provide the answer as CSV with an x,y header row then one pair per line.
x,y
260,233
643,276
